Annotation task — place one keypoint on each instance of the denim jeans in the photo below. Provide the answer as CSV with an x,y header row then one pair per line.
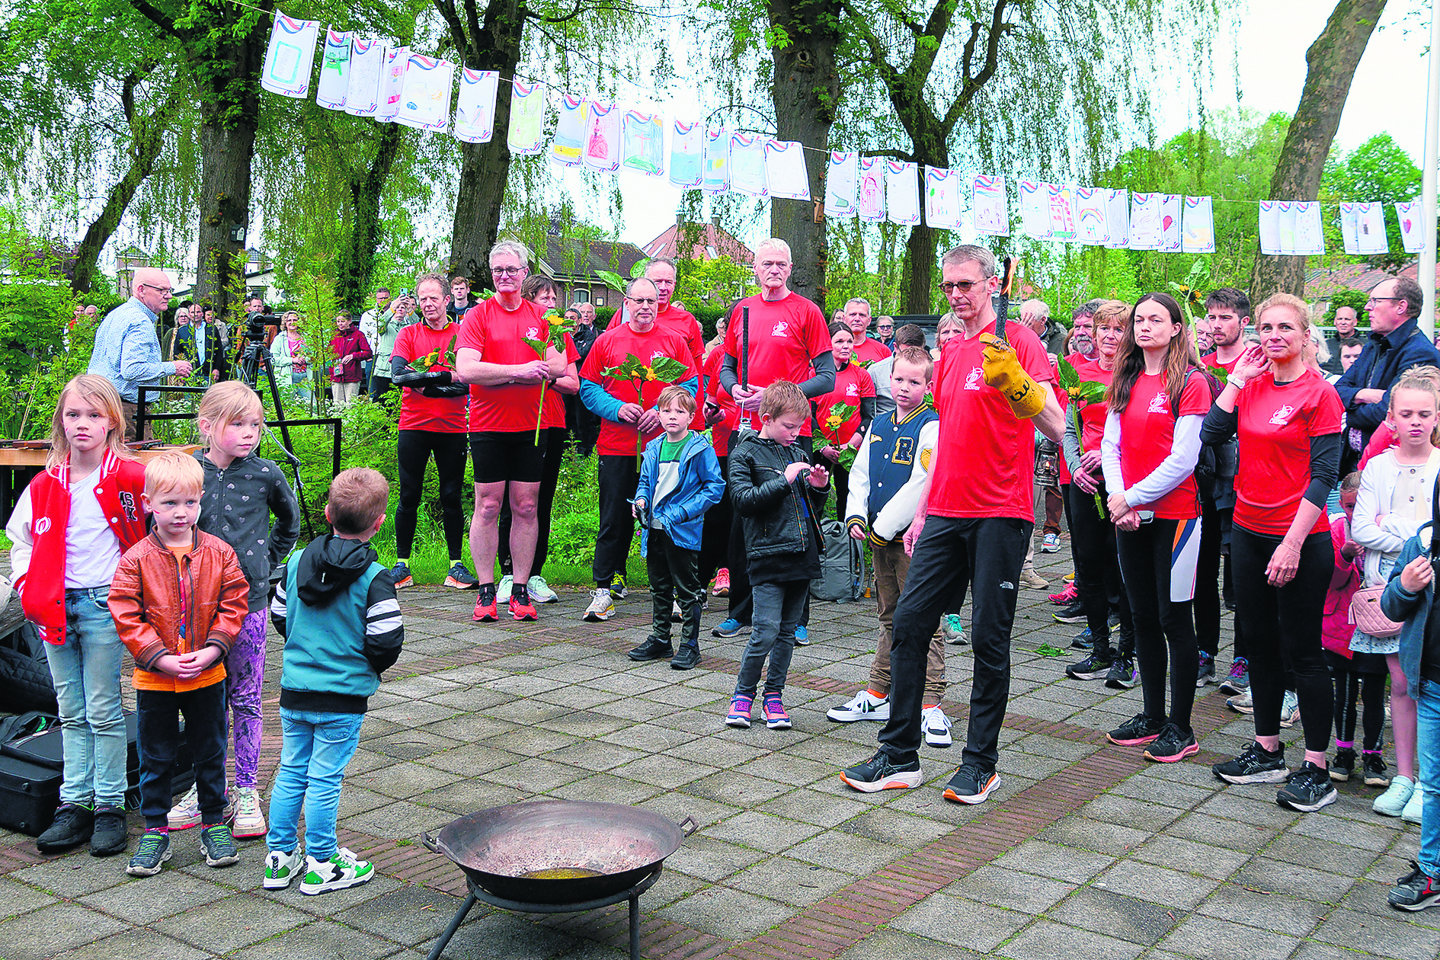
x,y
316,749
86,674
778,607
1427,708
159,734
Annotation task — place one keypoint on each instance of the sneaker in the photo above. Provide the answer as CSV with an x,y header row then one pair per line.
x,y
602,606
1172,746
652,649
1138,730
1238,680
1392,802
520,606
739,715
863,706
340,872
729,627
1377,774
970,784
219,846
486,605
1084,640
1066,596
1070,577
880,773
686,658
1033,580
1091,668
617,586
400,573
1416,890
721,588
1342,768
154,849
1309,789
802,635
952,630
540,591
72,826
1414,807
109,836
937,727
1290,709
776,718
1205,672
1254,765
1051,543
1074,613
1241,702
460,578
503,588
186,813
249,821
282,868
1123,675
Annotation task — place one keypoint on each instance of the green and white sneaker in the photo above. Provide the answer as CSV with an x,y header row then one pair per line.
x,y
953,630
154,849
340,872
282,868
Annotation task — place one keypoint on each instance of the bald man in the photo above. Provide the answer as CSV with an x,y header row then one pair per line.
x,y
1035,314
127,346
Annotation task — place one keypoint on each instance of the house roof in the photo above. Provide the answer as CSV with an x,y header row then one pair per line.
x,y
1320,283
578,259
711,241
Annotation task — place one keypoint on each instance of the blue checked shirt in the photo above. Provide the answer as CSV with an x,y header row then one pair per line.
x,y
127,350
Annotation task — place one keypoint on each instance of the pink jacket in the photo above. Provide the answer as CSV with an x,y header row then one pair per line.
x,y
1336,629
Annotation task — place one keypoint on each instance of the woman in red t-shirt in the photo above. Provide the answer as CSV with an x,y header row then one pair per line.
x,y
1148,456
854,387
1288,420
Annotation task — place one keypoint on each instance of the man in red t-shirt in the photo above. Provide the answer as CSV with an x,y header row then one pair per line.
x,y
868,350
505,377
627,421
973,526
668,316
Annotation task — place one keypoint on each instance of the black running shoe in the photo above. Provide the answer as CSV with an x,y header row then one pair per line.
x,y
971,784
1072,613
686,658
880,773
1122,675
652,649
1091,668
1342,768
1377,774
1415,890
1138,730
1172,746
1254,765
1309,789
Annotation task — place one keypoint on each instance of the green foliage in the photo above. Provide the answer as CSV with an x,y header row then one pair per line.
x,y
712,283
1347,298
1376,170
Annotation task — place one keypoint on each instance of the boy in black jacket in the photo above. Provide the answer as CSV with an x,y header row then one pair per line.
x,y
769,478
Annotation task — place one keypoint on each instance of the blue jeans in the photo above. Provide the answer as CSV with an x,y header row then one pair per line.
x,y
1427,709
778,607
86,674
317,748
158,714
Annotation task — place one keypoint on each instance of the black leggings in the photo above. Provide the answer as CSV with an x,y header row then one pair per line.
x,y
1097,571
1208,612
1282,625
413,450
1370,688
1145,564
554,440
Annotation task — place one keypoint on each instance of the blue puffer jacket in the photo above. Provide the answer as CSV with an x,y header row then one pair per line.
x,y
682,512
1411,609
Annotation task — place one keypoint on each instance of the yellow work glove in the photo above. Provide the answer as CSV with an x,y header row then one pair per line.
x,y
1003,372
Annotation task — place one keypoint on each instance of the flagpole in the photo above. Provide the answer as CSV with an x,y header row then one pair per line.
x,y
1429,166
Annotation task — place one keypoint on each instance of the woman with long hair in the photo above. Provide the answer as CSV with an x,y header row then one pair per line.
x,y
1156,403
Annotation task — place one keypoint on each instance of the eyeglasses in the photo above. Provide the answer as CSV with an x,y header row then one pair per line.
x,y
507,271
1378,299
165,290
643,301
963,286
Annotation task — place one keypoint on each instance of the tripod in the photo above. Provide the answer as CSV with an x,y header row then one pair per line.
x,y
253,358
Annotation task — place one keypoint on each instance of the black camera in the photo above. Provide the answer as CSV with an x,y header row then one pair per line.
x,y
256,323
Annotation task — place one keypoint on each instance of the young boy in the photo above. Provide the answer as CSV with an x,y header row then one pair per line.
x,y
782,544
679,481
337,611
887,481
178,599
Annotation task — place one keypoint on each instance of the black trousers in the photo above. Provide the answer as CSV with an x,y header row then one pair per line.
x,y
988,554
413,449
554,440
1161,624
583,425
715,535
619,476
1097,572
1215,525
674,577
1370,688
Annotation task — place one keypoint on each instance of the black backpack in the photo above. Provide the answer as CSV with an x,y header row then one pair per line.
x,y
1218,463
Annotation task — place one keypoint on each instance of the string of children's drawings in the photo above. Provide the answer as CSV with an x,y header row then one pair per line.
x,y
369,77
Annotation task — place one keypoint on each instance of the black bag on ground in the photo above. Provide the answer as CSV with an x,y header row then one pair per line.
x,y
25,682
842,565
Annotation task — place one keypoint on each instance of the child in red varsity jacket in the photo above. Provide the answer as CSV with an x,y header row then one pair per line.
x,y
68,531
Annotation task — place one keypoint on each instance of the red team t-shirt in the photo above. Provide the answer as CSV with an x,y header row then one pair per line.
x,y
1092,415
554,415
610,350
985,457
722,429
495,334
851,385
417,411
1276,424
1213,360
785,335
870,351
1147,430
678,321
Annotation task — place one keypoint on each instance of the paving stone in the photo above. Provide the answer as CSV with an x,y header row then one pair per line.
x,y
1169,887
964,923
717,751
839,850
711,859
408,914
1208,937
1235,835
603,788
469,729
792,881
74,875
337,900
820,807
663,772
1115,915
411,744
223,926
1111,838
399,820
1055,862
502,936
794,770
41,934
728,913
413,713
402,780
894,827
1045,941
1372,834
892,944
139,943
762,831
1187,856
1282,914
1386,936
469,795
1011,889
729,787
471,759
536,775
593,755
1113,808
144,900
1320,854
322,940
17,898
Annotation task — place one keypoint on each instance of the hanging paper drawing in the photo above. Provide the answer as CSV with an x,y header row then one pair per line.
x,y
1288,245
1117,218
1199,226
290,56
1411,214
686,144
902,192
602,137
368,59
642,142
1170,213
992,210
841,171
527,117
870,201
1060,203
392,84
1270,228
475,108
425,96
1309,234
716,164
785,170
334,81
569,131
1090,223
1373,238
1146,230
747,165
1034,217
942,198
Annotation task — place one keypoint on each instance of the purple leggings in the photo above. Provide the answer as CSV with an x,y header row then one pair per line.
x,y
245,673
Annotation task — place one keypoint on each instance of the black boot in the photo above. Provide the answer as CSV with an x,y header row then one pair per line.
x,y
652,649
71,827
109,836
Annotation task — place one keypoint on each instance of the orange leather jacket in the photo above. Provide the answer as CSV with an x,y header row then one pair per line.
x,y
145,602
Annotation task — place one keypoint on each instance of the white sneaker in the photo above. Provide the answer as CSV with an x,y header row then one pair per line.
x,y
1396,798
865,706
282,868
338,873
1290,709
504,588
186,813
1414,806
540,591
937,727
602,606
1241,702
249,820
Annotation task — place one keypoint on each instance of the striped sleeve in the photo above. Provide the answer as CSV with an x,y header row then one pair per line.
x,y
279,608
384,630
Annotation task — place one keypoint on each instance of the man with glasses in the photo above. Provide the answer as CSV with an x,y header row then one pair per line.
x,y
127,348
1396,344
661,272
505,377
627,421
885,332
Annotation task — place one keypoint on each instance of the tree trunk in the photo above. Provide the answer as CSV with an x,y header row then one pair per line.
x,y
356,261
1330,66
805,93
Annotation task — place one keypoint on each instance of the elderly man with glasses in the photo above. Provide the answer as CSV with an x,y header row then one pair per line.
x,y
127,346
